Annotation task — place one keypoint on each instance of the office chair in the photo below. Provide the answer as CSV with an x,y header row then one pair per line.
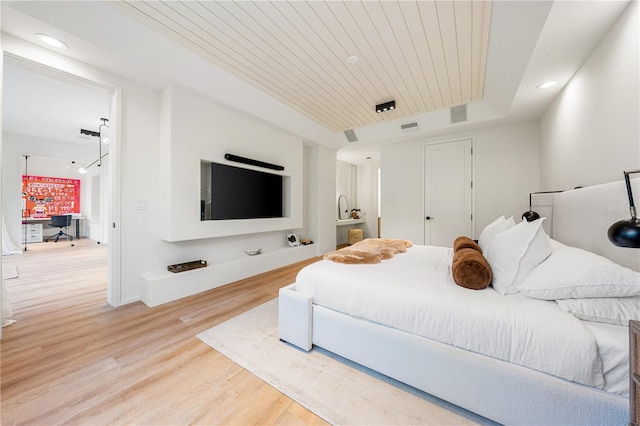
x,y
62,221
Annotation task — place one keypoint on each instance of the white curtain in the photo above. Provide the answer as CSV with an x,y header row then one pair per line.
x,y
8,247
7,313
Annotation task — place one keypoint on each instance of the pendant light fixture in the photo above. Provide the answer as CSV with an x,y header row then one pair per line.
x,y
101,139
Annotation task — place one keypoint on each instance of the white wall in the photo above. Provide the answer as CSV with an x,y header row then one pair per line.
x,y
201,129
190,128
347,187
139,174
320,188
368,198
590,134
346,184
197,128
505,170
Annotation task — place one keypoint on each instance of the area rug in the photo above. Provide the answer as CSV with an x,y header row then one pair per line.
x,y
337,390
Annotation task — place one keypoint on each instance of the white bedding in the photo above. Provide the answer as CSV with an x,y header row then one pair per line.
x,y
613,347
415,292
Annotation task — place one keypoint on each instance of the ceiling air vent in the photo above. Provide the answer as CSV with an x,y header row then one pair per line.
x,y
458,114
351,135
409,127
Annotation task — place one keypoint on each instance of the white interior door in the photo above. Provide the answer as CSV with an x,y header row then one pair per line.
x,y
448,192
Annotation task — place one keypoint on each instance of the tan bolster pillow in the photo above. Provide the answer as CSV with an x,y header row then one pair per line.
x,y
465,242
470,269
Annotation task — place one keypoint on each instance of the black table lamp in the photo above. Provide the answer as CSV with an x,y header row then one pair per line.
x,y
530,216
626,233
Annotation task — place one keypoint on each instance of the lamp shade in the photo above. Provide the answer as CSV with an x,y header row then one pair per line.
x,y
530,216
625,233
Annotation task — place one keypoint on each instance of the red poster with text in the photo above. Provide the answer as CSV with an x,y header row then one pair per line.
x,y
43,197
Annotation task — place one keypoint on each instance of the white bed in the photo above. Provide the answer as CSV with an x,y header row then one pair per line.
x,y
511,358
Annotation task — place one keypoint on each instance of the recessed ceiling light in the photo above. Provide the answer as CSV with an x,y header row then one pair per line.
x,y
51,41
352,59
546,84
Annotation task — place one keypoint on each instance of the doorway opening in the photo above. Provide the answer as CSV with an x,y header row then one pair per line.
x,y
45,113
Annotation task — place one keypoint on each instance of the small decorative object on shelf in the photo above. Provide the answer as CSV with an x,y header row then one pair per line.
x,y
254,252
293,240
181,267
354,214
305,241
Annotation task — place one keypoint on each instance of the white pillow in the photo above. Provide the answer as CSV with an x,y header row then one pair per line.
x,y
556,245
573,273
539,250
515,252
491,230
610,310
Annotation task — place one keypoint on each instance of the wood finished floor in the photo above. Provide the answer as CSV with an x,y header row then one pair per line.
x,y
73,359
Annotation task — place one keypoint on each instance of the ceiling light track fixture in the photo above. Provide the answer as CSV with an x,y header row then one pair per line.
x,y
89,133
387,106
101,139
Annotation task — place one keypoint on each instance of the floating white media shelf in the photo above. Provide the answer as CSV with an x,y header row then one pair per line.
x,y
164,286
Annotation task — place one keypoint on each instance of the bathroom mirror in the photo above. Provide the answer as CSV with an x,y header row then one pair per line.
x,y
343,210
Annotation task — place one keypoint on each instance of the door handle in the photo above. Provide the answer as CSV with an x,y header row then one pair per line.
x,y
429,218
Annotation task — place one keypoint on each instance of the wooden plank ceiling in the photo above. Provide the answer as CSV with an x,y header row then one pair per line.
x,y
425,55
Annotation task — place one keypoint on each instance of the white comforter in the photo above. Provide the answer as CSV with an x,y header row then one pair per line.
x,y
415,292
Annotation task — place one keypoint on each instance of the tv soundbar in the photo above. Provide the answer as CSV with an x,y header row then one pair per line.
x,y
252,162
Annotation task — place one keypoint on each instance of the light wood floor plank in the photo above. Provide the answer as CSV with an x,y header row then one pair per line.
x,y
73,359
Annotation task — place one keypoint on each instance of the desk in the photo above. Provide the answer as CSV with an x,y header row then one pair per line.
x,y
77,219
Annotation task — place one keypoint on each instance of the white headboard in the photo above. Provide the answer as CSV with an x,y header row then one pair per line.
x,y
581,218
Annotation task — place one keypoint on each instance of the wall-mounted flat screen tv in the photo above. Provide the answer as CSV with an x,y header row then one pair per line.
x,y
238,193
